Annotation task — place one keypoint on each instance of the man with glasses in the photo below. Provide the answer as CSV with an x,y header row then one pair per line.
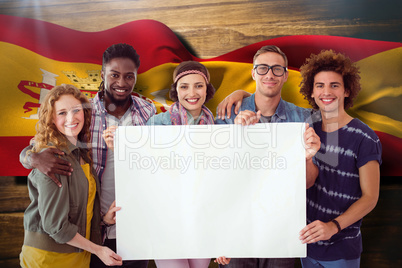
x,y
265,106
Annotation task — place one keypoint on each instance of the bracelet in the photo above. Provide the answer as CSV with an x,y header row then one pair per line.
x,y
337,225
105,223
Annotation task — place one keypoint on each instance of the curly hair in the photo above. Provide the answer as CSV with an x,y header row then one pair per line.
x,y
187,66
329,60
47,134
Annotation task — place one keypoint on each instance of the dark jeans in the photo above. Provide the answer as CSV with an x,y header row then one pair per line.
x,y
111,243
260,263
342,263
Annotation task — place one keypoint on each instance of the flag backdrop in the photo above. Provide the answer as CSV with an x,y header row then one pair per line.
x,y
36,55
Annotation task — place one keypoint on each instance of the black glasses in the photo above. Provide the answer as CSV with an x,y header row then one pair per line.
x,y
263,69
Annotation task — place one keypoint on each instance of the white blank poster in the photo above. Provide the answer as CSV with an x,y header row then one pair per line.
x,y
209,191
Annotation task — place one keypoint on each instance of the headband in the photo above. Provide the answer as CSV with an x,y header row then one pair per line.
x,y
190,72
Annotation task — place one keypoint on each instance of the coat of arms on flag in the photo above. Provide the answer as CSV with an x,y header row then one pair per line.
x,y
34,61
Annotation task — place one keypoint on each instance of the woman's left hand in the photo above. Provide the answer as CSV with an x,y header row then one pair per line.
x,y
110,217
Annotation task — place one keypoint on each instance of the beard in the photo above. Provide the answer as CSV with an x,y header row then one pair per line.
x,y
116,101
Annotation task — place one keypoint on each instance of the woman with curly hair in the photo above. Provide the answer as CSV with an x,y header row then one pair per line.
x,y
62,224
347,187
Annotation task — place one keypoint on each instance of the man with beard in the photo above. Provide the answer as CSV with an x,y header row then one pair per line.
x,y
113,105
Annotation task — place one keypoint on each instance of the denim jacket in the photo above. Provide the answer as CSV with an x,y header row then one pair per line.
x,y
160,119
285,112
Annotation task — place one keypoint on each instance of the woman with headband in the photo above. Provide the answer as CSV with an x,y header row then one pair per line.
x,y
190,90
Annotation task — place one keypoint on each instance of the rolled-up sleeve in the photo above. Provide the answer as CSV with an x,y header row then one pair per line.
x,y
54,208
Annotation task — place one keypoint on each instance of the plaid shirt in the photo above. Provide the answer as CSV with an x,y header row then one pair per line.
x,y
141,111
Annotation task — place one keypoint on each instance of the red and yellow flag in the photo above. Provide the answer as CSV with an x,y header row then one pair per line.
x,y
36,55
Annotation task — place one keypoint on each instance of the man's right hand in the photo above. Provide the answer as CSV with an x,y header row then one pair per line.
x,y
49,164
246,118
108,136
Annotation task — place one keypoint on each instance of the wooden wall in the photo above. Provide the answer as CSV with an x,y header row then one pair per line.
x,y
382,231
211,28
13,201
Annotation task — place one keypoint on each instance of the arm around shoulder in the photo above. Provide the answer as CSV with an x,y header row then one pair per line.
x,y
231,104
48,162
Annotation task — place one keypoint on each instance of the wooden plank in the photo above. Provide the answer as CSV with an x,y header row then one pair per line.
x,y
12,235
13,194
381,230
10,263
213,27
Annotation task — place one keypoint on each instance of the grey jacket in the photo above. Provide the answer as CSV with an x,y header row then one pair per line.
x,y
56,214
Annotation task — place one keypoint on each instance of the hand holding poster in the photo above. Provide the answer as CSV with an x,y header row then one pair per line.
x,y
208,191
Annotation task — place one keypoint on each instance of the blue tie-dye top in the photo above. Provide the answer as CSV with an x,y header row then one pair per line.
x,y
337,187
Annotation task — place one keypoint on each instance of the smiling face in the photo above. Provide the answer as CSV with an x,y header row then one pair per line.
x,y
191,93
119,76
329,92
68,116
269,85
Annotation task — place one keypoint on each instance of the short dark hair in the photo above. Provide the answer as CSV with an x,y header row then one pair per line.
x,y
271,48
120,51
186,66
329,60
